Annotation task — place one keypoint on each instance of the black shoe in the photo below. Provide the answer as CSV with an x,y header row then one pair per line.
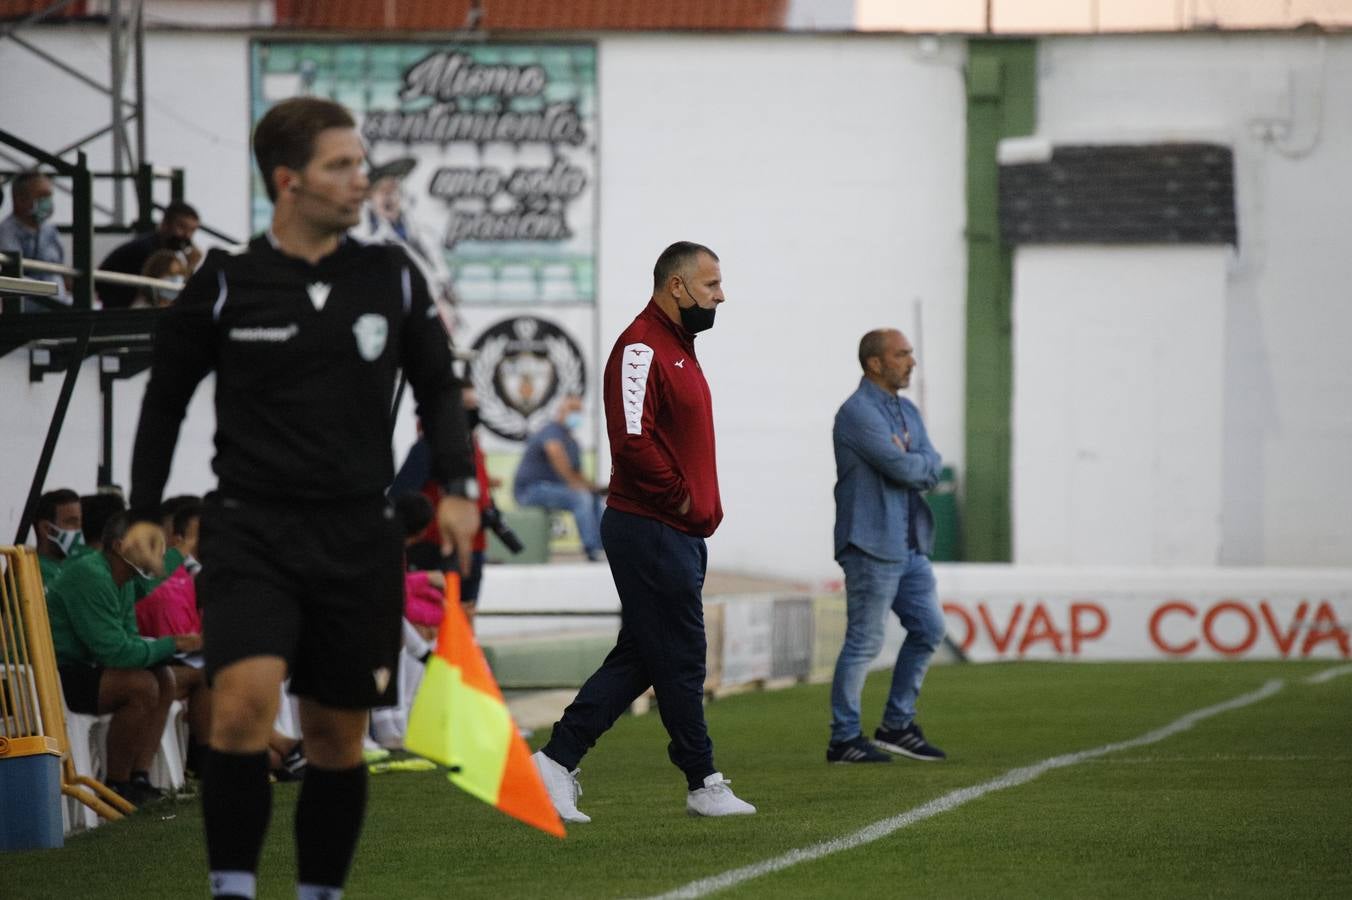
x,y
909,741
293,764
855,750
137,793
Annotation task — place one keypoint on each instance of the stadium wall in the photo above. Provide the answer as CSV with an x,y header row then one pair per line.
x,y
828,171
1180,405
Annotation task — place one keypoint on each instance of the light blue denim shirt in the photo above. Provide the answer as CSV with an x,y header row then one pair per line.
x,y
43,244
878,484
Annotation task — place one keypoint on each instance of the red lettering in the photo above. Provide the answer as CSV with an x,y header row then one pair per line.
x,y
1155,618
1285,641
1250,622
1334,632
1078,634
1040,628
952,609
1001,641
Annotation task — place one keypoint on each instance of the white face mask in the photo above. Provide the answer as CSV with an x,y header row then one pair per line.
x,y
167,295
66,541
148,576
192,565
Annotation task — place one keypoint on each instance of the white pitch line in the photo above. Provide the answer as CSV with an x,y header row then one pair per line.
x,y
1329,674
950,801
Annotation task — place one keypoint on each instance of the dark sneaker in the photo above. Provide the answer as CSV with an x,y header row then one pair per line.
x,y
138,793
909,741
855,750
293,764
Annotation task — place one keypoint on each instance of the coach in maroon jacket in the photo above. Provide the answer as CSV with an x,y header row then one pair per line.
x,y
663,503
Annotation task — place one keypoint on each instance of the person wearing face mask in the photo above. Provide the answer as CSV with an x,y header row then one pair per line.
x,y
105,665
58,522
166,265
174,234
29,231
663,502
550,475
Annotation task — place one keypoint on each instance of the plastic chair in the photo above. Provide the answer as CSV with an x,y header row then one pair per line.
x,y
88,749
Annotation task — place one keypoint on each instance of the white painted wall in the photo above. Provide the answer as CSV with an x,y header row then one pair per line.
x,y
1117,404
826,171
1286,421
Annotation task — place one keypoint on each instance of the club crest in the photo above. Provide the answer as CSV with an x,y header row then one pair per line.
x,y
523,365
371,331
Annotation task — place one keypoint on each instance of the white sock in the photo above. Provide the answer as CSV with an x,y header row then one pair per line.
x,y
239,884
318,892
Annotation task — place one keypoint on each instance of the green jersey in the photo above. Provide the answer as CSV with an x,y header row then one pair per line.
x,y
94,621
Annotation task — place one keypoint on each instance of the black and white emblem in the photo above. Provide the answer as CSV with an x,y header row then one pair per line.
x,y
524,365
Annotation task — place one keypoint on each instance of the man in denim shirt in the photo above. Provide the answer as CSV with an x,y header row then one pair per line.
x,y
884,535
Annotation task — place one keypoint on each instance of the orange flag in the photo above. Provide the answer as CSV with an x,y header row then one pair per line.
x,y
460,720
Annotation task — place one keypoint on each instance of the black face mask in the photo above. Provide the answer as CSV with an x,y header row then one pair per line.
x,y
472,418
696,318
177,243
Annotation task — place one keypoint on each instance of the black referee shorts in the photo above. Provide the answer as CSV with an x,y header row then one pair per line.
x,y
319,584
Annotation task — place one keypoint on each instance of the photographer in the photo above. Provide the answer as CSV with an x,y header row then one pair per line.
x,y
431,553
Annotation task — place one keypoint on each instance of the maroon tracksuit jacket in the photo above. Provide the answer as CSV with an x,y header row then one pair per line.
x,y
660,420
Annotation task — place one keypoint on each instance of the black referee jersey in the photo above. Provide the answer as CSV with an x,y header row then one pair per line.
x,y
306,358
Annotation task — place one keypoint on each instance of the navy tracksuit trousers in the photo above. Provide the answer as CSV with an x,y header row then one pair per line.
x,y
659,574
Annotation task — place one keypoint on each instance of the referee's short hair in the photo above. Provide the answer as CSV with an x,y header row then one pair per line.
x,y
285,136
676,260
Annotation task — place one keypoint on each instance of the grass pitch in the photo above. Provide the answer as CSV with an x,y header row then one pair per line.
x,y
1252,802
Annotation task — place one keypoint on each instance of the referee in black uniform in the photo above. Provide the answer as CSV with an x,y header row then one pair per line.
x,y
306,330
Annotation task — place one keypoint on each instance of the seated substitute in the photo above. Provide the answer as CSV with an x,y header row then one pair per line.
x,y
550,475
58,524
95,511
170,609
105,665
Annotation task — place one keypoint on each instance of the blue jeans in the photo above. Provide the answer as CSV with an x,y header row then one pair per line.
x,y
872,586
584,505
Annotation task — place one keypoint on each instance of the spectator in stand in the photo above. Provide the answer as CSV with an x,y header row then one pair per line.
x,y
550,475
168,265
95,511
105,665
175,234
29,231
58,522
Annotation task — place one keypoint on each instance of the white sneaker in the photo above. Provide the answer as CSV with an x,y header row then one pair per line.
x,y
716,799
562,787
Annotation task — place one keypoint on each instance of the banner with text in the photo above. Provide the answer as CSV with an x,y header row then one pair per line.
x,y
483,156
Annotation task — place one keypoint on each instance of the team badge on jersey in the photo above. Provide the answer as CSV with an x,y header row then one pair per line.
x,y
371,331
